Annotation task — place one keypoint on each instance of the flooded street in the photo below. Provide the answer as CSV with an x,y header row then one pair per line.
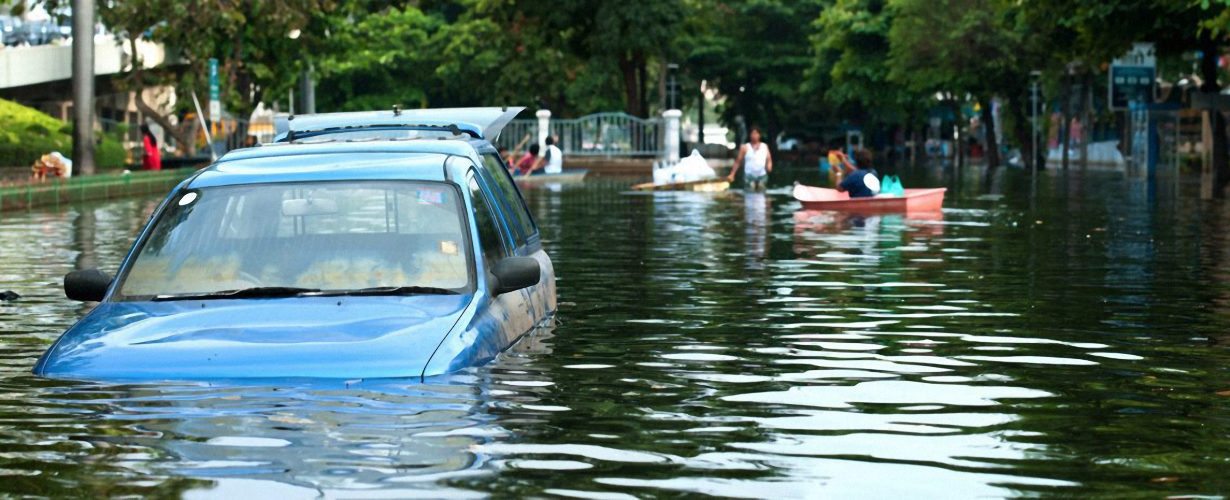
x,y
729,344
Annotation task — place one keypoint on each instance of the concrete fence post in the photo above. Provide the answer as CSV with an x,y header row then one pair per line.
x,y
671,148
544,129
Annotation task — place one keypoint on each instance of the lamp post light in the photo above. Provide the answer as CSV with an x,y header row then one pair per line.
x,y
672,94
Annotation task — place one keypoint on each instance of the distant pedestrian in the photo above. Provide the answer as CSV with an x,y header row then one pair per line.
x,y
862,182
152,160
756,161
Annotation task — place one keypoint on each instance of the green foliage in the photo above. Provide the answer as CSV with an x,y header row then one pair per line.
x,y
954,46
250,38
780,64
755,54
27,134
110,153
850,66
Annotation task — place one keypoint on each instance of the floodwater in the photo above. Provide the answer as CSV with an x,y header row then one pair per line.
x,y
1073,342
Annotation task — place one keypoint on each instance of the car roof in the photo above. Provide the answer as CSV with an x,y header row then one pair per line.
x,y
337,160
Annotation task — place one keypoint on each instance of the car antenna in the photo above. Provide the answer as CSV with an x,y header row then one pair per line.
x,y
396,110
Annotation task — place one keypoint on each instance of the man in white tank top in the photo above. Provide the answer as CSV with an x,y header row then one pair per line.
x,y
553,158
756,161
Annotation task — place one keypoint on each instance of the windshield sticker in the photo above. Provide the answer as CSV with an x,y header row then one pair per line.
x,y
429,195
187,199
449,247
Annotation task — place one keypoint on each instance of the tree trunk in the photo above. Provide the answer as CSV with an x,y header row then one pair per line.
x,y
643,74
1017,109
1065,117
662,70
700,119
959,147
137,75
1086,115
1217,121
632,100
988,124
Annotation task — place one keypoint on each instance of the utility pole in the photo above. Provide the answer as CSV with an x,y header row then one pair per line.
x,y
307,90
83,86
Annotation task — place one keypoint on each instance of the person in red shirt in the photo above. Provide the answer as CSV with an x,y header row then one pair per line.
x,y
152,160
527,162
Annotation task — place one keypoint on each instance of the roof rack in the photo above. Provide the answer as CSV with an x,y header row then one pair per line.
x,y
479,123
453,128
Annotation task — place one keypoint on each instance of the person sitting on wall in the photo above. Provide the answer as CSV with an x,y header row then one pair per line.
x,y
861,181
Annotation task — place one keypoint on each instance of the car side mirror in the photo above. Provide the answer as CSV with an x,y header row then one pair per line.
x,y
87,285
515,273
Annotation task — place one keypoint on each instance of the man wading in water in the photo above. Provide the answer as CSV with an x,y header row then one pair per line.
x,y
756,161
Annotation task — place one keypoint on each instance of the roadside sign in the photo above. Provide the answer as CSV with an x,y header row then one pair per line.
x,y
215,103
1132,76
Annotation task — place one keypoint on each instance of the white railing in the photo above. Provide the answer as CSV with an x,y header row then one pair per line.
x,y
600,134
609,134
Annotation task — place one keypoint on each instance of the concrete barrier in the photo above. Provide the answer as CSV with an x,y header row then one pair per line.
x,y
55,192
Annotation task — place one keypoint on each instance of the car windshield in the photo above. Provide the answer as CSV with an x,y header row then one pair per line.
x,y
317,237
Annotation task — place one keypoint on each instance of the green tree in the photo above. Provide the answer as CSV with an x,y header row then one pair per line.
x,y
956,48
755,53
252,40
850,66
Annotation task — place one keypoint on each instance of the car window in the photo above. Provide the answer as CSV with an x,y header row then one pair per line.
x,y
489,238
326,235
520,213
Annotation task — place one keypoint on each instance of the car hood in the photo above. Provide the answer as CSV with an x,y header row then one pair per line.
x,y
334,337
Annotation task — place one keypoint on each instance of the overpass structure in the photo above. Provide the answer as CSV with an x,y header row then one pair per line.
x,y
41,77
44,64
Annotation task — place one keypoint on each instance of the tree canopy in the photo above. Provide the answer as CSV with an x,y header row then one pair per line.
x,y
785,65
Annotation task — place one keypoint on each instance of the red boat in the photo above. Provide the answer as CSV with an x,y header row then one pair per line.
x,y
915,200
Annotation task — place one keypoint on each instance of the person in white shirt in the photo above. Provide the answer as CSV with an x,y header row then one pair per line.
x,y
756,161
552,158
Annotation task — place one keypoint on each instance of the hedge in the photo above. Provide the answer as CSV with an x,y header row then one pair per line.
x,y
27,134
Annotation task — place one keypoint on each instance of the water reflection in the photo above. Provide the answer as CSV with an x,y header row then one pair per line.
x,y
724,344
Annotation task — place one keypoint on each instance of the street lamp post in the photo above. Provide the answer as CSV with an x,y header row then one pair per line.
x,y
83,86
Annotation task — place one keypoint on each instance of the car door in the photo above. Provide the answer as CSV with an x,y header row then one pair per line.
x,y
523,230
506,317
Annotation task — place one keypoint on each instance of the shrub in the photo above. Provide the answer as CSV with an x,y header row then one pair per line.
x,y
27,134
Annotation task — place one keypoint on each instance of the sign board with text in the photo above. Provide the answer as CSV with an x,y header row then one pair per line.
x,y
215,103
1132,77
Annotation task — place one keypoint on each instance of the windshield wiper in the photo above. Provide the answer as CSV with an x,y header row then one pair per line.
x,y
392,290
257,292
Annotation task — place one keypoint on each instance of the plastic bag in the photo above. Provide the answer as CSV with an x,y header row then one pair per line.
x,y
891,186
691,168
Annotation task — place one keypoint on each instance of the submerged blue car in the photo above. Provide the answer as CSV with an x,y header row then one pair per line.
x,y
359,245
